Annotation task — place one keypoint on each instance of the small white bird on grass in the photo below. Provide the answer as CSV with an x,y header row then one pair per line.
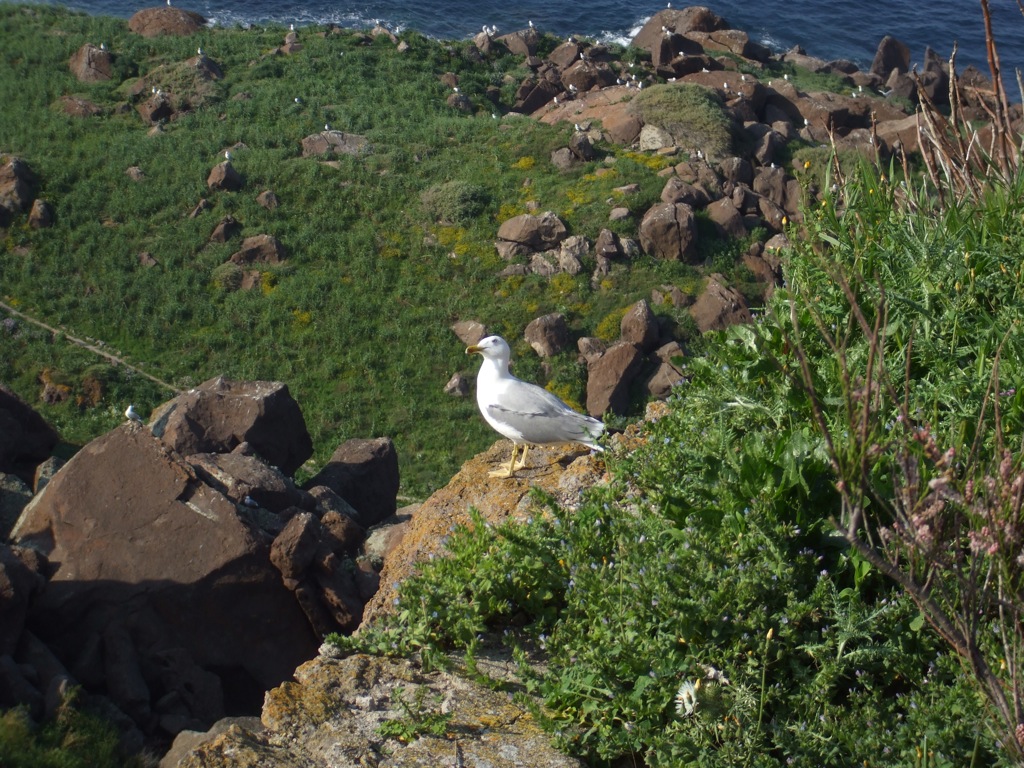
x,y
132,414
523,412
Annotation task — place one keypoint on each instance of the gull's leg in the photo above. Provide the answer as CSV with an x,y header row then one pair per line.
x,y
511,465
522,457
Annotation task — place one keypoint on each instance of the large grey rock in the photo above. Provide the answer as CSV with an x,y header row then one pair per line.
x,y
609,378
548,334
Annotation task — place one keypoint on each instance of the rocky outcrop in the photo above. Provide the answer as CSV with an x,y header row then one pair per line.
x,y
92,64
365,474
259,249
332,715
328,142
220,414
151,564
165,20
548,335
562,471
224,176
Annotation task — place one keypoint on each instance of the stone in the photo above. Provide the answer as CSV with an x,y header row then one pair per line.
x,y
76,107
41,215
608,245
534,232
719,306
294,548
609,378
91,64
224,176
890,55
330,142
238,476
365,474
548,334
352,696
165,20
226,229
669,231
259,249
737,170
639,326
156,109
668,373
137,539
219,414
469,331
457,386
268,199
727,220
26,439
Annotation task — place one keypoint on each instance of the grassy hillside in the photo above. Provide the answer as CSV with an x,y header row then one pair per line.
x,y
357,320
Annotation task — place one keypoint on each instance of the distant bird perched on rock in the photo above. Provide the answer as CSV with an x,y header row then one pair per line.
x,y
523,412
132,414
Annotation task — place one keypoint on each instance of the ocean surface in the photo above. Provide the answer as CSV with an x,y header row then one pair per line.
x,y
828,30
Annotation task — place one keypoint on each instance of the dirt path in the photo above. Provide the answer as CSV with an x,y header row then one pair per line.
x,y
86,345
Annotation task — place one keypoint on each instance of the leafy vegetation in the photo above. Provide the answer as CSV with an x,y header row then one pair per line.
x,y
693,115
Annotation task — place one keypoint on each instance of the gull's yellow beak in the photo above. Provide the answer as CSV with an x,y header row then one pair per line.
x,y
472,349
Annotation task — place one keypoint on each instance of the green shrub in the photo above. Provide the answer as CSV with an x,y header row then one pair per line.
x,y
455,202
692,115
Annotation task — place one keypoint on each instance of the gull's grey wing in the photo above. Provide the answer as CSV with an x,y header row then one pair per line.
x,y
542,417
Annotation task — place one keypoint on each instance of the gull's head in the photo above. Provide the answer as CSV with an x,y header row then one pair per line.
x,y
491,348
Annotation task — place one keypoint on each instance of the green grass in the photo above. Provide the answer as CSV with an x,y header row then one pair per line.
x,y
385,250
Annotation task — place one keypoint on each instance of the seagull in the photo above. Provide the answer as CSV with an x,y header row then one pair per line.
x,y
250,502
523,412
298,100
199,51
132,414
168,3
530,23
327,126
227,155
103,46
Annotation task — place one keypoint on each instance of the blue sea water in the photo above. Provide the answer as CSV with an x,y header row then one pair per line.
x,y
828,30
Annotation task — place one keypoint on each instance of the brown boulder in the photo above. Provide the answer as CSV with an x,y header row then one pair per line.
x,y
219,414
226,228
668,373
639,326
469,331
330,142
224,176
247,479
561,471
669,231
365,474
259,249
548,335
727,220
268,199
157,108
26,439
890,55
138,541
680,22
610,376
76,107
91,64
165,20
41,215
534,232
719,306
